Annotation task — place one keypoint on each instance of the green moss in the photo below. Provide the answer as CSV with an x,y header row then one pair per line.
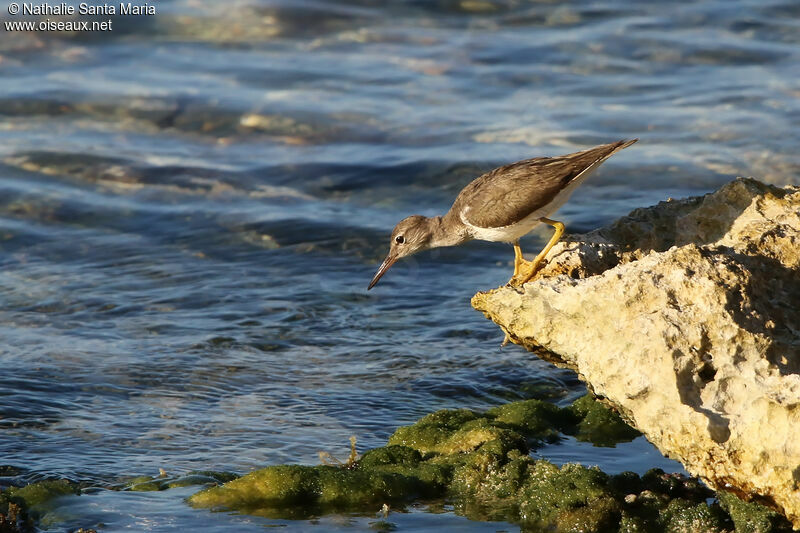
x,y
631,523
513,426
447,432
280,485
23,506
489,479
395,455
343,488
384,475
461,430
600,515
682,516
480,463
751,517
572,494
504,443
598,424
36,495
432,473
539,421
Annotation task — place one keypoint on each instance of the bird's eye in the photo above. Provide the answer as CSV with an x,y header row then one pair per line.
x,y
399,239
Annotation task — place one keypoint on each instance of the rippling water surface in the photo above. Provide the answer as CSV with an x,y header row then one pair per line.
x,y
192,205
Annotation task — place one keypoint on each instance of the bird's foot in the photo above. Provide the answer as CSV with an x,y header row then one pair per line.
x,y
527,272
520,273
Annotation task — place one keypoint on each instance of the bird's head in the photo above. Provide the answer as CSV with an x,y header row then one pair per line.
x,y
410,235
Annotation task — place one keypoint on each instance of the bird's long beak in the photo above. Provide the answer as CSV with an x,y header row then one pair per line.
x,y
389,261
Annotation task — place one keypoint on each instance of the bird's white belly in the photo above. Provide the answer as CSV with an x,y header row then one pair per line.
x,y
509,233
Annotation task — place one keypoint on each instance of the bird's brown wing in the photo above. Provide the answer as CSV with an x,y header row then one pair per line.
x,y
508,194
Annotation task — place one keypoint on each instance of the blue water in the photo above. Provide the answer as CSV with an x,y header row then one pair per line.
x,y
192,205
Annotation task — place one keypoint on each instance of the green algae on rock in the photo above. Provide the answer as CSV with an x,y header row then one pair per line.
x,y
22,507
598,424
452,431
419,461
327,487
35,495
588,500
480,463
751,517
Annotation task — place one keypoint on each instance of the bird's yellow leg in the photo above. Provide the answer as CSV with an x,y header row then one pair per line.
x,y
520,265
517,259
536,263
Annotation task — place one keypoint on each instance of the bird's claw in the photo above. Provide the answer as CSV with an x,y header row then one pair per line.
x,y
518,280
516,287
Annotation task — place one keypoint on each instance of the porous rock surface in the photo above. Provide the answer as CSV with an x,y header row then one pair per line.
x,y
685,316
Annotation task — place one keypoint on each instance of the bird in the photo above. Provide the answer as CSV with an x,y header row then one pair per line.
x,y
501,206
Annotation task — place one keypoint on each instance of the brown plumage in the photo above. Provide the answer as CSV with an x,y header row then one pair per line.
x,y
510,193
502,206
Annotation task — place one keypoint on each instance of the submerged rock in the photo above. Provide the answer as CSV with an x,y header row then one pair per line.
x,y
22,508
685,317
164,482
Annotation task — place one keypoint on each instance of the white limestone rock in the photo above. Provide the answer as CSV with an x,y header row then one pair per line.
x,y
685,316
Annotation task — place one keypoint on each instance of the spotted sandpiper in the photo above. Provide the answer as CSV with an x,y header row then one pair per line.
x,y
502,206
